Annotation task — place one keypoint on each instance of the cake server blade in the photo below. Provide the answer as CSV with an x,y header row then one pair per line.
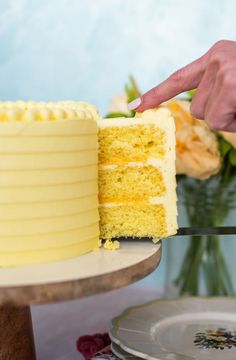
x,y
193,231
199,231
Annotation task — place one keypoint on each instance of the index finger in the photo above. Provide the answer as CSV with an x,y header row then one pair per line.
x,y
184,79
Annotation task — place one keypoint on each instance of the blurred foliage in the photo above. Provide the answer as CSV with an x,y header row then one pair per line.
x,y
132,92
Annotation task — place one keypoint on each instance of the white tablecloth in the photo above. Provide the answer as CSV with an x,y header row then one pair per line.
x,y
58,326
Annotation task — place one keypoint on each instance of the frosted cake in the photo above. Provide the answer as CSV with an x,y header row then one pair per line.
x,y
50,173
48,181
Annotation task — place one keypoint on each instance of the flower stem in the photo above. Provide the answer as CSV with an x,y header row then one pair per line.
x,y
204,266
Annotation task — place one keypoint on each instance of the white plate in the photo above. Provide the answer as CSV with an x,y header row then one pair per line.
x,y
122,354
183,329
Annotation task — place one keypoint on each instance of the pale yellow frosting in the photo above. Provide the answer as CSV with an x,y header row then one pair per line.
x,y
42,111
48,181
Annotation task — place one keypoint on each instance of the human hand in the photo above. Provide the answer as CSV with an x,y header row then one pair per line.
x,y
214,76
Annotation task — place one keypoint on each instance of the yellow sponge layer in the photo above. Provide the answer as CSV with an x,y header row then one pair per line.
x,y
136,220
130,183
124,144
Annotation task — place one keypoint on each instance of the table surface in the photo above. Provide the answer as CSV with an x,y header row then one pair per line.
x,y
58,326
93,273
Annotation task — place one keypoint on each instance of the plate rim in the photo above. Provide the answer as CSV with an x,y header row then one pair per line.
x,y
116,352
134,351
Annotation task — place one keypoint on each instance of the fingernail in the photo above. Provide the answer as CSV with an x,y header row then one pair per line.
x,y
134,104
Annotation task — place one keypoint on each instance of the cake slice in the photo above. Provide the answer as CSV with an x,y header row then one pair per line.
x,y
137,186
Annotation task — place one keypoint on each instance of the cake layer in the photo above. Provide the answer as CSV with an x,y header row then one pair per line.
x,y
34,194
48,160
135,220
47,144
35,177
56,128
135,143
14,258
51,239
135,182
49,224
38,210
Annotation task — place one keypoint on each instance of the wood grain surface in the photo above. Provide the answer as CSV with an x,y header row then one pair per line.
x,y
74,289
16,335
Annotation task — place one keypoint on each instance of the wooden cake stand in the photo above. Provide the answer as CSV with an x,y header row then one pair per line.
x,y
90,274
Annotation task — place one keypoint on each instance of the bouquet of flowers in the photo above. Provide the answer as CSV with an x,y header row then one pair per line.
x,y
206,171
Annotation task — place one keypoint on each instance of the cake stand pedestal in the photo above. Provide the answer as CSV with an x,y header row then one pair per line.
x,y
90,274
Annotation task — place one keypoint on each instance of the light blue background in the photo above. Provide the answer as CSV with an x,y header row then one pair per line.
x,y
78,49
85,50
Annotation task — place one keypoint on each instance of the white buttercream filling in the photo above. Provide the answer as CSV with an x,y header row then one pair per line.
x,y
157,163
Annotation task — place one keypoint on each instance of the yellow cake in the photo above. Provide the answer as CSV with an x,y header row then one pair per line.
x,y
137,188
48,181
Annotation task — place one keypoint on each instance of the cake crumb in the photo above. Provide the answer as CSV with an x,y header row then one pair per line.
x,y
111,245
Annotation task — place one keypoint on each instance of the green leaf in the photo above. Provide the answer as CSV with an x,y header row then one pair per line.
x,y
116,115
232,157
132,113
224,146
191,93
135,86
131,89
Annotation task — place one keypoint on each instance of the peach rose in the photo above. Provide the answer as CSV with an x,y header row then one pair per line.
x,y
230,137
197,151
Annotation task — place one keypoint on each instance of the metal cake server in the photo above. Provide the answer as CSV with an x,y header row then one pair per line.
x,y
199,231
194,231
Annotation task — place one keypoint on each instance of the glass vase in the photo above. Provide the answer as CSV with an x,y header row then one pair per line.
x,y
204,265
